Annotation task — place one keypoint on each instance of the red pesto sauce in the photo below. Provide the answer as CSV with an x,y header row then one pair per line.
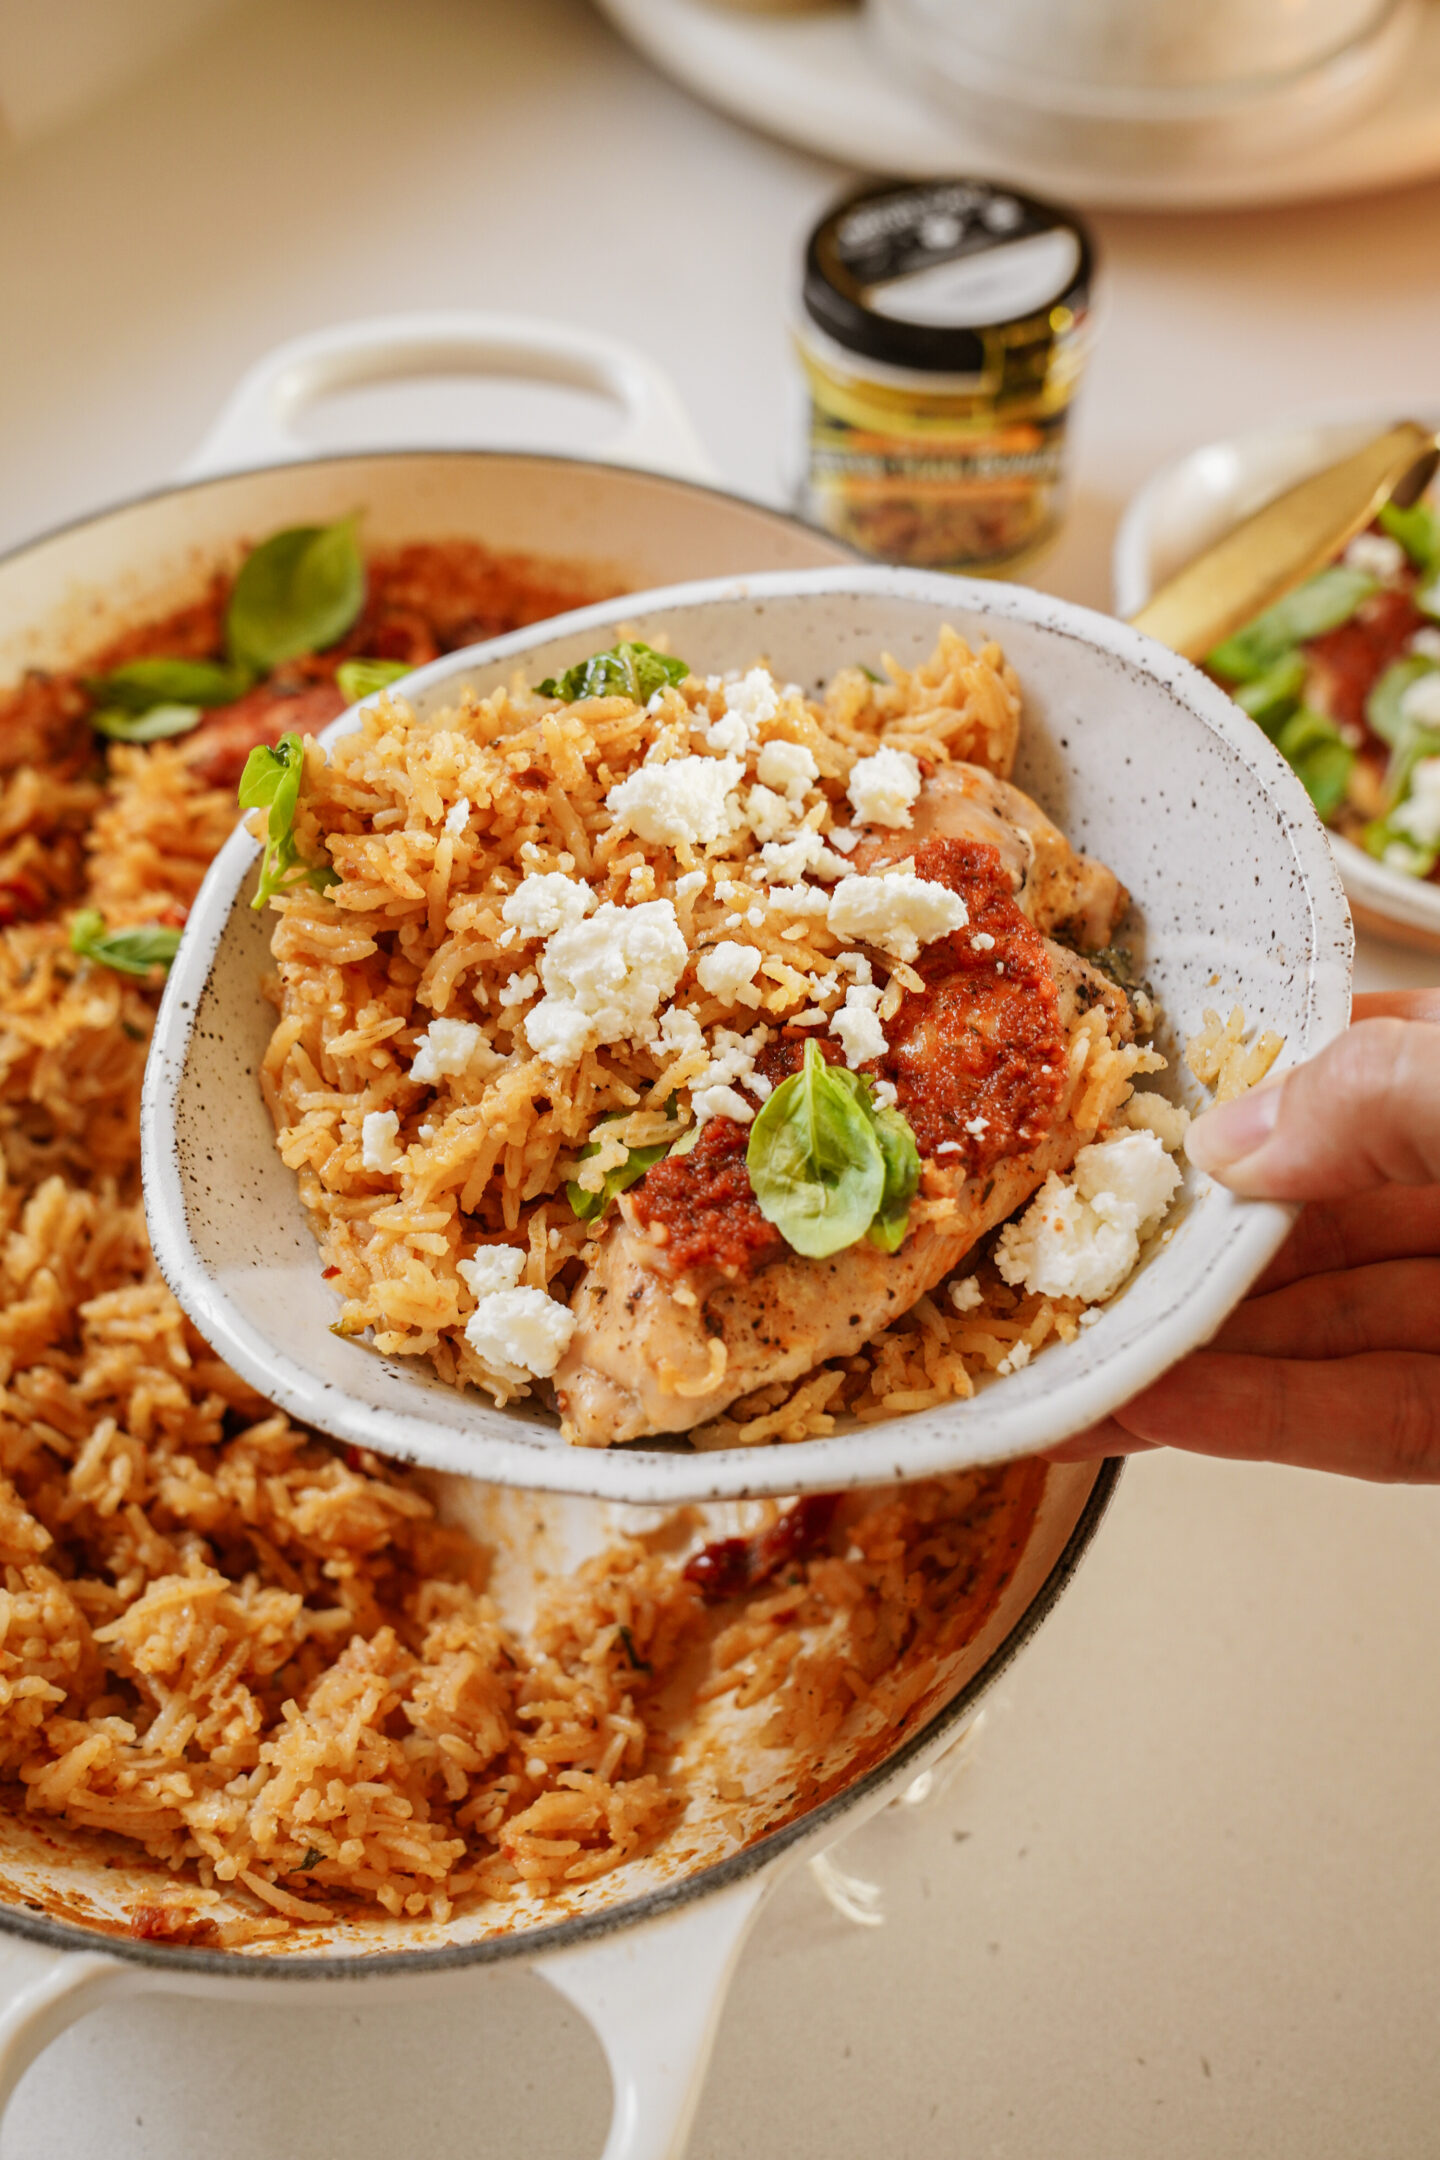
x,y
973,1044
1351,660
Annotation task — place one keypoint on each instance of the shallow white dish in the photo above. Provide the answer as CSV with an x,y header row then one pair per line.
x,y
819,81
1140,759
1188,505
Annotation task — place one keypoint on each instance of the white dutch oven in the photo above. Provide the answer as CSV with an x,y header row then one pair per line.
x,y
1189,505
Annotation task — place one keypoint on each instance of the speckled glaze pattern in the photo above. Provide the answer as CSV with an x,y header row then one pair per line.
x,y
1130,749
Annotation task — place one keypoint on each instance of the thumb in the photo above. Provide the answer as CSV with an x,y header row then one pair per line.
x,y
1365,1112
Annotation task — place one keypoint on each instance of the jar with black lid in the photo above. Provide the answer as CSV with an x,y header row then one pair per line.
x,y
943,332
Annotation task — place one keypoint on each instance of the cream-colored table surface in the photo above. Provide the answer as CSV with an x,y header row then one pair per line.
x,y
1185,1897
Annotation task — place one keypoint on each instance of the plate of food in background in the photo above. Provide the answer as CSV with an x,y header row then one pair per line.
x,y
1343,673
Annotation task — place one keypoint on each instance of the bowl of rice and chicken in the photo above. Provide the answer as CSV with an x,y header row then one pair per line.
x,y
278,1707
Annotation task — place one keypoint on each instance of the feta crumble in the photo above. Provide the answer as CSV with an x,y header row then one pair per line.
x,y
692,882
684,801
1082,1238
856,1026
545,901
1018,1354
898,911
450,1048
1376,554
457,817
767,814
1418,817
787,767
517,1334
840,836
749,701
728,968
605,979
881,788
982,941
379,1143
1426,643
681,1034
715,1102
785,862
966,1294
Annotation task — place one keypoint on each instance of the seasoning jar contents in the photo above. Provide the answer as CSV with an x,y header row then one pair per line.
x,y
943,331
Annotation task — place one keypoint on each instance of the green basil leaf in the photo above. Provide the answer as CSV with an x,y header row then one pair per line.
x,y
816,1165
1383,707
129,952
1322,603
1418,532
586,1206
140,685
1322,759
271,782
1272,697
297,593
1399,850
902,1180
356,679
156,725
1414,747
628,670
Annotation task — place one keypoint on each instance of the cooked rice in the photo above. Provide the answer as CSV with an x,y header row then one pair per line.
x,y
414,931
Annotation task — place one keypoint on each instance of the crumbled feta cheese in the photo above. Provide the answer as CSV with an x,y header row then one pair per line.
x,y
1152,1113
1081,1238
856,1027
449,1048
605,979
1376,554
721,1102
751,700
517,989
785,862
729,734
493,1267
898,911
754,918
680,1033
787,767
975,1126
886,1094
379,1144
516,1334
544,903
882,788
1421,700
727,968
982,941
1426,643
1018,1355
768,814
1418,817
840,836
799,899
457,817
685,800
950,1147
692,882
966,1294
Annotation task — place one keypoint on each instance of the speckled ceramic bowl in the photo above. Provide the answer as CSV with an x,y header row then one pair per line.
x,y
1140,759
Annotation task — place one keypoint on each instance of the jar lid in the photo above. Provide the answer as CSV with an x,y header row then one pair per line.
x,y
914,273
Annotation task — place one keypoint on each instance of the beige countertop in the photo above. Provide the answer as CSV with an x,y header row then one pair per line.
x,y
1184,1895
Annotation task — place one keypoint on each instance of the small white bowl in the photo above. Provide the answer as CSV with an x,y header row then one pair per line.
x,y
1142,761
1187,506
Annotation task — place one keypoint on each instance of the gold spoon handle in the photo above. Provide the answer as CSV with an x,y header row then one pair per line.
x,y
1284,543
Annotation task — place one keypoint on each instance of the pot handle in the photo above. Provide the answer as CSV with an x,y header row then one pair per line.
x,y
44,1990
653,1996
255,427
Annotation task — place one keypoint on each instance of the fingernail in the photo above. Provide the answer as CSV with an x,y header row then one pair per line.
x,y
1232,1130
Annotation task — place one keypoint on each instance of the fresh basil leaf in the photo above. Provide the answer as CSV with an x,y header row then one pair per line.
x,y
816,1165
156,725
1414,748
1321,757
1384,706
298,592
586,1206
1418,532
1272,697
1322,603
271,782
629,670
356,679
129,952
141,685
902,1180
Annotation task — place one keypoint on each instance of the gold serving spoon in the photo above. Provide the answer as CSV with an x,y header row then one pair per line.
x,y
1277,548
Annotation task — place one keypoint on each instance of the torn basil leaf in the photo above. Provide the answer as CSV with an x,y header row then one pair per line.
x,y
630,670
587,1206
817,1167
1322,603
1384,708
1320,756
902,1179
271,782
356,679
298,592
1418,532
156,725
135,951
1272,697
139,686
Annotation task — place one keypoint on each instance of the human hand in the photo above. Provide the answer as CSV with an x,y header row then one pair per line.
x,y
1333,1361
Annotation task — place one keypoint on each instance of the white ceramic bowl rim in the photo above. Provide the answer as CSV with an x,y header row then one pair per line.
x,y
1108,1367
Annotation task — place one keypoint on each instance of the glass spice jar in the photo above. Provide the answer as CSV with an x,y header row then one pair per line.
x,y
943,331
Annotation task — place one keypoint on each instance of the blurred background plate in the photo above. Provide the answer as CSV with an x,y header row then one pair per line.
x,y
817,79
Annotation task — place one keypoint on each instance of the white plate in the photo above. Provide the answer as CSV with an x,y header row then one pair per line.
x,y
1189,504
817,80
1143,761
